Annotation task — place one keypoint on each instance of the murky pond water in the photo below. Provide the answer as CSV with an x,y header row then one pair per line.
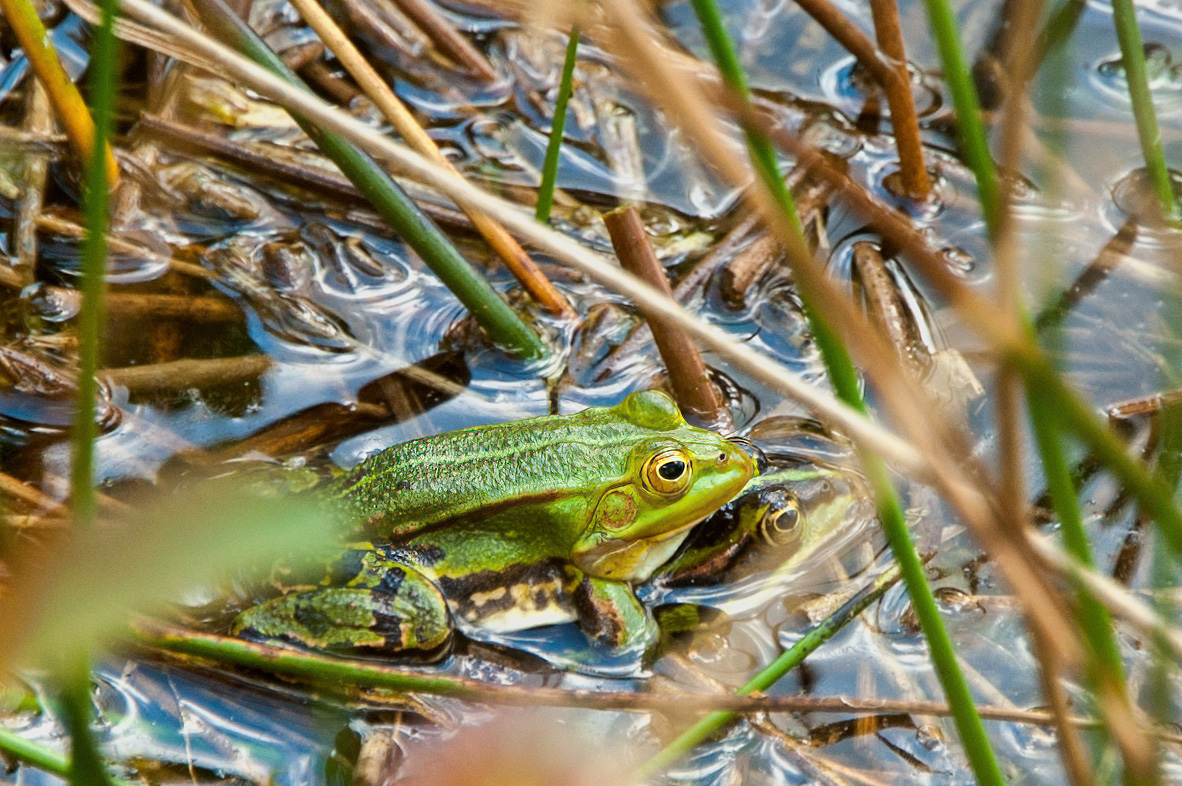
x,y
334,301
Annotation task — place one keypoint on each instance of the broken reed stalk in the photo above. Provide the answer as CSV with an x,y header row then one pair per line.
x,y
63,94
557,129
691,384
1132,54
482,301
891,76
449,40
898,92
510,251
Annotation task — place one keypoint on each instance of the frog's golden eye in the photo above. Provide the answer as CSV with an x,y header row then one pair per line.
x,y
781,524
668,472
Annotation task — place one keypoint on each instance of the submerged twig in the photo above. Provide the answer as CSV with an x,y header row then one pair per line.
x,y
189,373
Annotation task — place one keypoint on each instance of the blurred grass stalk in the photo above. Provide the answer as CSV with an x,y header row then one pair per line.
x,y
973,142
1132,52
845,381
86,764
557,128
391,202
1104,668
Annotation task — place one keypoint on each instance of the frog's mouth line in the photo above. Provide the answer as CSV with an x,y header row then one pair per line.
x,y
634,560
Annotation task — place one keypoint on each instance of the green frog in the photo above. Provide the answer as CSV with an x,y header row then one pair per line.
x,y
512,526
803,507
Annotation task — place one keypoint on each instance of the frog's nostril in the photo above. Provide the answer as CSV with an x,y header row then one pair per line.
x,y
752,450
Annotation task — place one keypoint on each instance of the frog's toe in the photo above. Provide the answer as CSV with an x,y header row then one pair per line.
x,y
350,620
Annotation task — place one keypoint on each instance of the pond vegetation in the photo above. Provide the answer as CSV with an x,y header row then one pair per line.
x,y
922,257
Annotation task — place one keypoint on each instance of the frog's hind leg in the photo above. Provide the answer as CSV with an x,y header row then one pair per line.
x,y
396,609
612,617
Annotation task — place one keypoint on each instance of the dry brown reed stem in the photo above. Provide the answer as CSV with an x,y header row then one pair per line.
x,y
892,76
886,307
692,388
514,256
184,374
38,120
12,487
902,103
680,96
118,245
148,633
447,38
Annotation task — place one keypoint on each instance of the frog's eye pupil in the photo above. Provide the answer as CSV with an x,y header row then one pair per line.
x,y
667,473
782,522
672,469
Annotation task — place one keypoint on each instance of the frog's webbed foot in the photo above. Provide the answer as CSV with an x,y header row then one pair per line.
x,y
612,617
405,613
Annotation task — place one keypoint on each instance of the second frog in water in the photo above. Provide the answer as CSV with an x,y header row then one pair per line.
x,y
511,526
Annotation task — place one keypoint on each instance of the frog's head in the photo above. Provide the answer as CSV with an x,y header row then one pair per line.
x,y
675,475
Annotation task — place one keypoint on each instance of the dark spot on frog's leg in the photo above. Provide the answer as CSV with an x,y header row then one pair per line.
x,y
599,619
391,581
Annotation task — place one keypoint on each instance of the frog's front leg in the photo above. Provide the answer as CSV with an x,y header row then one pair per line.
x,y
371,604
611,616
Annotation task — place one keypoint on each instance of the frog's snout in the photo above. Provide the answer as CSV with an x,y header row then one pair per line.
x,y
752,450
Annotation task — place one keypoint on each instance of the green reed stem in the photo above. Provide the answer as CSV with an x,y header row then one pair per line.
x,y
95,206
1103,654
973,140
391,202
1133,56
557,127
31,753
86,766
844,379
772,673
39,756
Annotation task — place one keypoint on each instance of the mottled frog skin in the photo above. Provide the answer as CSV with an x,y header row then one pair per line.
x,y
511,526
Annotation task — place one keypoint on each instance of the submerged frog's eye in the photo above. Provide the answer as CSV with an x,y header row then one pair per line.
x,y
668,472
781,523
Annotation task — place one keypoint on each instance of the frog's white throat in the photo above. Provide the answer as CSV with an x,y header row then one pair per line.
x,y
633,560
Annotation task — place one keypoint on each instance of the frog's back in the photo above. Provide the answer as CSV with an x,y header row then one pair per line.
x,y
448,477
